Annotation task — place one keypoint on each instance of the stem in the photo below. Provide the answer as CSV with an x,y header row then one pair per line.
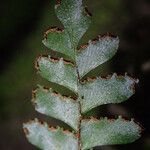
x,y
78,80
79,144
79,127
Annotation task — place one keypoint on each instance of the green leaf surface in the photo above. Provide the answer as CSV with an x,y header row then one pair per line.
x,y
59,41
47,138
74,17
58,71
76,21
114,89
54,105
95,53
108,132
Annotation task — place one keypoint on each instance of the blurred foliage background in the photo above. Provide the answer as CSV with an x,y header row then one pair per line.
x,y
22,24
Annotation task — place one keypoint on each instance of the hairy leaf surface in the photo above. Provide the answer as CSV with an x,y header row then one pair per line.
x,y
96,52
65,68
47,138
54,105
108,132
59,41
115,89
58,71
76,21
74,17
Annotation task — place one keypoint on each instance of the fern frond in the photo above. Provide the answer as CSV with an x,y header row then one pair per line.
x,y
67,72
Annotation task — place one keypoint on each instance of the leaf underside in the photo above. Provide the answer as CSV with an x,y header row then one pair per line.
x,y
100,91
95,53
75,20
58,71
47,138
69,74
108,132
59,41
54,105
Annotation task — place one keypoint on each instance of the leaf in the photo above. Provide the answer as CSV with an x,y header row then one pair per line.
x,y
108,132
59,41
114,89
96,52
47,138
58,71
74,17
76,21
54,105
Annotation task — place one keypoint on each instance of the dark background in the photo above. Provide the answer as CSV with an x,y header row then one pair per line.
x,y
22,23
